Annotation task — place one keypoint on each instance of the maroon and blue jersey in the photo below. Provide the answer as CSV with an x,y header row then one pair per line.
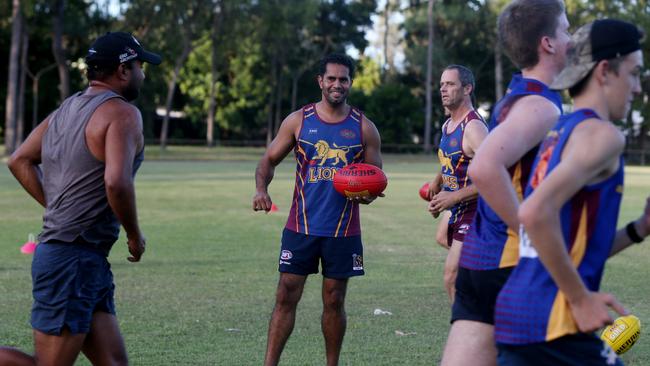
x,y
322,149
490,244
454,163
530,308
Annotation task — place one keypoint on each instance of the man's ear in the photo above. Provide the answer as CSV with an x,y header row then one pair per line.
x,y
123,72
601,71
319,78
547,45
467,89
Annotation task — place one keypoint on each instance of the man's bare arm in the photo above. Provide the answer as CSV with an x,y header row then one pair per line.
x,y
24,163
123,142
641,225
371,143
529,120
274,154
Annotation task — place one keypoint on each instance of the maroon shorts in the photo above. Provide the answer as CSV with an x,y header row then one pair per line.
x,y
459,224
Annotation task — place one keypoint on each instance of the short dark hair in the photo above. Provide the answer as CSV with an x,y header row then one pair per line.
x,y
339,59
614,65
465,75
523,23
102,70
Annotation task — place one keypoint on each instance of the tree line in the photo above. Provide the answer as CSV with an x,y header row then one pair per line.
x,y
233,69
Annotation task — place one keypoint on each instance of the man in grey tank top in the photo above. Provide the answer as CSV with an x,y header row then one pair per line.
x,y
79,163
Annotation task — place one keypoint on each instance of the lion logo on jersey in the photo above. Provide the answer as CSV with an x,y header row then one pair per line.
x,y
445,161
324,152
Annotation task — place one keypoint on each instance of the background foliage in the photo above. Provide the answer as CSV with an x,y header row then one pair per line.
x,y
261,56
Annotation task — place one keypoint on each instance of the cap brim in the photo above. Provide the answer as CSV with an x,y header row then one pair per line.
x,y
571,75
150,57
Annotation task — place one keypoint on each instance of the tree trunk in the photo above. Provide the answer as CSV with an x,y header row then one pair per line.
x,y
295,77
212,106
171,87
20,120
498,72
278,103
11,107
34,102
269,122
35,80
58,50
294,92
429,86
384,68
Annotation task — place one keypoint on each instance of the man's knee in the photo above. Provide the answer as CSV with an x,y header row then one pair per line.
x,y
334,300
286,300
288,294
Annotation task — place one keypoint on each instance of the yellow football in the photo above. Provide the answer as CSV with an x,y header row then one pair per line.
x,y
622,334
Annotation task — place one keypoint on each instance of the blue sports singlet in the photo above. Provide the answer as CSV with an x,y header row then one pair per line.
x,y
454,163
489,244
530,308
321,150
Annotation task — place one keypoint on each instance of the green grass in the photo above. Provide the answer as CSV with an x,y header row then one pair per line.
x,y
203,293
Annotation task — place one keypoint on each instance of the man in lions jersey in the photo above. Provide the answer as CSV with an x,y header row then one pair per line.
x,y
323,225
452,189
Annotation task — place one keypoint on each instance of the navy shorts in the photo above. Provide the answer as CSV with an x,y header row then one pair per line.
x,y
69,284
576,349
340,257
476,294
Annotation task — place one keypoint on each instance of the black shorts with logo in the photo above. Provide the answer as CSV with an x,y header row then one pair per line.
x,y
340,257
476,294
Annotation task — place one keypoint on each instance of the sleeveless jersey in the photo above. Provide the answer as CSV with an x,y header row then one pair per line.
x,y
454,163
530,308
490,244
77,208
322,149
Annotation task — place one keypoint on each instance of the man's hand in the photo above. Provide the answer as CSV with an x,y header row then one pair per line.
x,y
365,200
592,311
136,248
262,202
430,207
444,200
435,186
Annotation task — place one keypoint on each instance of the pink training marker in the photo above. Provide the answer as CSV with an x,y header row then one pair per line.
x,y
30,246
274,208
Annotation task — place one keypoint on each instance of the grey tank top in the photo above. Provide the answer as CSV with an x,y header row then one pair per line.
x,y
77,210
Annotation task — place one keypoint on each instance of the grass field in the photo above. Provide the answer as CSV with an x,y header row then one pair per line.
x,y
203,293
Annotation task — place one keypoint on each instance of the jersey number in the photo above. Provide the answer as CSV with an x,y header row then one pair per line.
x,y
526,248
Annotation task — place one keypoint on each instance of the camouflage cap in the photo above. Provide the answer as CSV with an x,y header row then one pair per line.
x,y
602,39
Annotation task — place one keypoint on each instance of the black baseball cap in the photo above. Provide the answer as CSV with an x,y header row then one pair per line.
x,y
117,48
599,40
